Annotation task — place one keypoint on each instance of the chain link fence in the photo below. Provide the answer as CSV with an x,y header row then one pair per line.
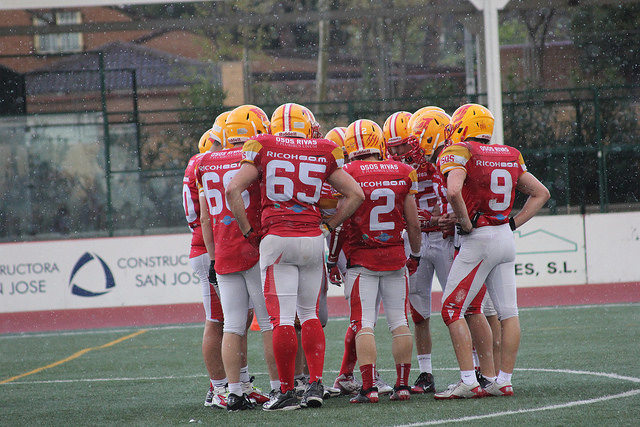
x,y
114,171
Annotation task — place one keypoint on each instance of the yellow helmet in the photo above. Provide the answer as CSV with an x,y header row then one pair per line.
x,y
471,121
337,135
205,142
429,108
244,122
315,126
431,128
293,120
218,130
396,129
364,137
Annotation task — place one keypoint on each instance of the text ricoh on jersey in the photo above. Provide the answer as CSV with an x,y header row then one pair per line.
x,y
294,170
374,231
493,171
213,172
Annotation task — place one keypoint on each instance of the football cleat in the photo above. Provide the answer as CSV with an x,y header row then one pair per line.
x,y
217,396
495,389
238,403
253,393
300,385
282,402
331,392
402,392
381,385
313,395
461,391
424,384
366,396
347,384
482,380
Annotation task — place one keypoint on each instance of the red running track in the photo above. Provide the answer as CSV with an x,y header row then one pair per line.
x,y
38,321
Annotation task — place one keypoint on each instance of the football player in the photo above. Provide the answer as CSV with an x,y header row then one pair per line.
x,y
238,276
291,168
408,137
481,183
376,261
200,262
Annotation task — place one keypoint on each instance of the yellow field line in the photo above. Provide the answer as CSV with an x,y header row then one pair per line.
x,y
74,356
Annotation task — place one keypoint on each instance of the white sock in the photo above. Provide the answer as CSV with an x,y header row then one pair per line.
x,y
468,377
235,388
244,374
503,377
424,363
275,384
219,383
476,359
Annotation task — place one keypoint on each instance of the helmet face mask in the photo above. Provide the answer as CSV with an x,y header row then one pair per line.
x,y
364,138
431,128
245,122
408,151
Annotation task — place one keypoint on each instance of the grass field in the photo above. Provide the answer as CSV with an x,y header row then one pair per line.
x,y
578,365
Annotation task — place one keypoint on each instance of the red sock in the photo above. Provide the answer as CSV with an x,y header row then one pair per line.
x,y
402,371
349,358
313,345
285,347
368,373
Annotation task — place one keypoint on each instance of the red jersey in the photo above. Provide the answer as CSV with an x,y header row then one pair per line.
x,y
232,251
374,231
191,206
492,174
292,172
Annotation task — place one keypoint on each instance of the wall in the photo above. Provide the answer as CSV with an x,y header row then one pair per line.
x,y
555,255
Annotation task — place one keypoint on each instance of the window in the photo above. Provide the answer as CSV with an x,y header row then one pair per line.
x,y
60,42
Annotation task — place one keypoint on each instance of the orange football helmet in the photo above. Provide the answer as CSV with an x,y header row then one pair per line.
x,y
244,122
206,141
396,129
294,120
364,137
431,128
471,121
337,135
217,133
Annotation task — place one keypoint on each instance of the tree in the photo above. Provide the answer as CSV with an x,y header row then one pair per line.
x,y
608,38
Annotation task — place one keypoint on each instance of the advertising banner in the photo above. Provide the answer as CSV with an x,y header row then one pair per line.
x,y
88,273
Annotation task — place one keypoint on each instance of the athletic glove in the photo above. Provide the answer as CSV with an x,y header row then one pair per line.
x,y
412,264
424,217
326,229
213,279
334,275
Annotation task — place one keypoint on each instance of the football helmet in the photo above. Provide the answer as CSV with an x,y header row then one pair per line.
x,y
364,137
244,122
337,135
217,132
429,108
396,129
206,141
315,126
431,128
471,121
293,120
